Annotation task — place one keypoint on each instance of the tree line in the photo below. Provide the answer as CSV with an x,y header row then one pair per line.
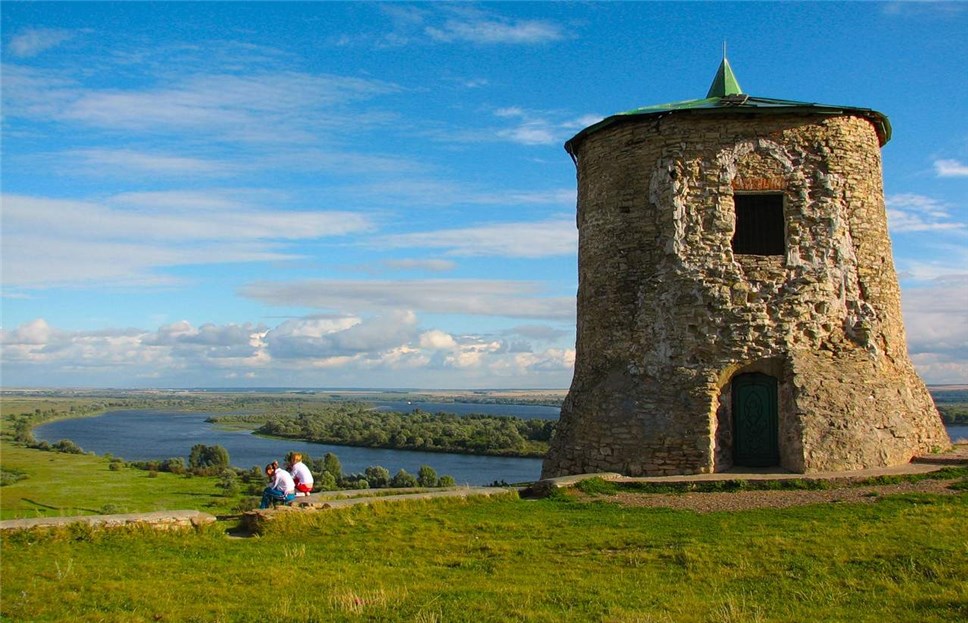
x,y
328,473
359,425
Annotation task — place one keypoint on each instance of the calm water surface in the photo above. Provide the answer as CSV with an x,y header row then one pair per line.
x,y
142,435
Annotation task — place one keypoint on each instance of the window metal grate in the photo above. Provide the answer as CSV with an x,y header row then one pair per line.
x,y
759,224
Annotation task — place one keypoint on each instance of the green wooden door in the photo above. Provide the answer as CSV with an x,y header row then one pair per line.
x,y
755,419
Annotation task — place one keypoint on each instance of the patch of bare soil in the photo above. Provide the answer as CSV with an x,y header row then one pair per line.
x,y
744,500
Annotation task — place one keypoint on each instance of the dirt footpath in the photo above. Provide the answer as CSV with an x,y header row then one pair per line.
x,y
743,500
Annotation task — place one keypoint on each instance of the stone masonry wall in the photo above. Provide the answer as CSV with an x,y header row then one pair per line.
x,y
668,314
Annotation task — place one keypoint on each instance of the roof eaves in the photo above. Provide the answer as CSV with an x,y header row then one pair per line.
x,y
740,103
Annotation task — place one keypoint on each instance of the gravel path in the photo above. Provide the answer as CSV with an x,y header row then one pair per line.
x,y
743,500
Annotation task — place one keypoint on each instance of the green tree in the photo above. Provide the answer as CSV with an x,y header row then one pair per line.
x,y
332,465
208,458
403,479
377,476
326,482
446,481
427,476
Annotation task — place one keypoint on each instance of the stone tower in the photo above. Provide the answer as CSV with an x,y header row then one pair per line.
x,y
737,299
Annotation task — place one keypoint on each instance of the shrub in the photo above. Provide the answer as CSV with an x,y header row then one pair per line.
x,y
247,503
228,482
115,466
403,479
210,459
67,446
446,481
427,476
326,482
331,464
10,476
377,476
175,465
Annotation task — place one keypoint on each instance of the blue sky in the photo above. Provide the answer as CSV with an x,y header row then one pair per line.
x,y
376,195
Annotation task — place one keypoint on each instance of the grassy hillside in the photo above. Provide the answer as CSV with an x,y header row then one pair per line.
x,y
902,558
56,484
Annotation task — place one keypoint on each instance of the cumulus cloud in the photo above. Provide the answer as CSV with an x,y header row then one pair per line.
x,y
327,337
936,321
209,341
315,351
513,299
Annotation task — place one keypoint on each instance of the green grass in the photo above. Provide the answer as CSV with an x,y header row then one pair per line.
x,y
52,484
902,558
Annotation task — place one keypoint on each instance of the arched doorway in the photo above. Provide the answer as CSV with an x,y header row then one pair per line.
x,y
755,420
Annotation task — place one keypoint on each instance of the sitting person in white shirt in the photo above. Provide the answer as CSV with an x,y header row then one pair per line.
x,y
300,474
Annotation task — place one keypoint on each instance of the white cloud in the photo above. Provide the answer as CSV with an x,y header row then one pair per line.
x,y
34,41
513,299
95,243
125,162
936,322
918,213
325,338
424,191
437,266
388,351
524,127
542,333
533,128
459,23
950,168
551,238
492,30
437,340
272,106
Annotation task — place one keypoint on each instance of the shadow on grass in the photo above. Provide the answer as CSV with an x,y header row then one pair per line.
x,y
59,508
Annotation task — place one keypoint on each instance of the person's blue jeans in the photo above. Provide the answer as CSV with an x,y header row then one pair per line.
x,y
271,495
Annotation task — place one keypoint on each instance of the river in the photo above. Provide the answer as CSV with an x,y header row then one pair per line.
x,y
142,435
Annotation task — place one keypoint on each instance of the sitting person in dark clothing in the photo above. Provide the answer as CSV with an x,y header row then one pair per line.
x,y
281,489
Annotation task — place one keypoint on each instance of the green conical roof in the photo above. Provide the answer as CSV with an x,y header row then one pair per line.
x,y
725,82
726,97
